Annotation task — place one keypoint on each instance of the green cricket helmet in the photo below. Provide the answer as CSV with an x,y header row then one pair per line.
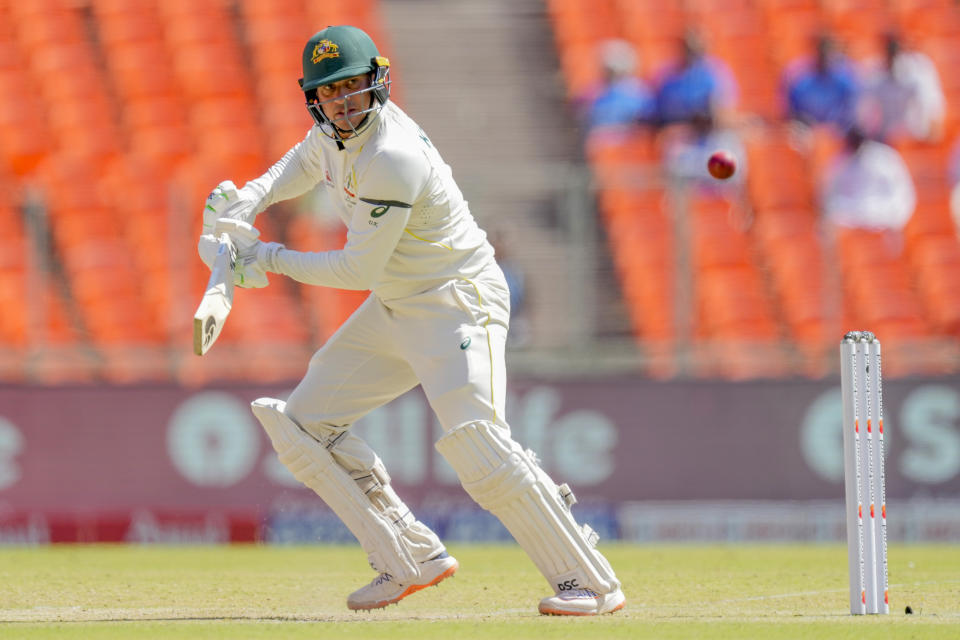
x,y
338,53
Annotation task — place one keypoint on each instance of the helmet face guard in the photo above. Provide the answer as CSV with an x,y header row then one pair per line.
x,y
335,54
379,91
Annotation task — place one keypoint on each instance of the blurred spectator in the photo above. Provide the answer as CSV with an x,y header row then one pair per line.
x,y
623,98
902,95
868,186
822,90
953,174
687,149
514,273
953,170
697,85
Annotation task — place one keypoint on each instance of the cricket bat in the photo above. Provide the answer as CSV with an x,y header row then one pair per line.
x,y
217,300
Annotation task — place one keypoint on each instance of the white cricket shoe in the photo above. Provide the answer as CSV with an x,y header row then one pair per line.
x,y
384,590
582,602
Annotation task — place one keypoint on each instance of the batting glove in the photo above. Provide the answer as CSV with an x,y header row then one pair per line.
x,y
226,201
254,257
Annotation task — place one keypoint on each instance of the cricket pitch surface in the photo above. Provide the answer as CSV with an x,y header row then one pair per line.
x,y
260,591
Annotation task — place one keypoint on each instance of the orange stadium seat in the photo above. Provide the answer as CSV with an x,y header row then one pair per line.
x,y
24,140
652,21
731,302
210,71
328,308
168,146
572,29
27,10
791,32
154,111
610,150
702,13
287,28
928,17
779,175
223,112
13,276
53,29
928,220
275,39
362,13
825,145
878,286
120,28
580,68
276,60
253,10
107,8
757,79
184,9
127,63
634,211
11,58
935,263
104,281
734,304
649,283
33,318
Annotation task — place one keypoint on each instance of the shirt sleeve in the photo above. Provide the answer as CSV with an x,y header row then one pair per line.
x,y
386,193
293,175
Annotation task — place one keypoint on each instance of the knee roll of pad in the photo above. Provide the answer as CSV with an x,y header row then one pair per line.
x,y
313,465
507,481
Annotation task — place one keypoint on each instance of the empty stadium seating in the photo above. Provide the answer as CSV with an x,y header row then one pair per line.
x,y
122,116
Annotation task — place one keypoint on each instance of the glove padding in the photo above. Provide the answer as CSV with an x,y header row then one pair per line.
x,y
226,201
254,257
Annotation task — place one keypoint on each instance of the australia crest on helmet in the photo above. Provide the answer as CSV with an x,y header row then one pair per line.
x,y
324,50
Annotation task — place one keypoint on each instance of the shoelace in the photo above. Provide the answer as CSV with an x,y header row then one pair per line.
x,y
579,593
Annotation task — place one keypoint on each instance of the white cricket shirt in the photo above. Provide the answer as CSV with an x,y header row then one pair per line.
x,y
409,228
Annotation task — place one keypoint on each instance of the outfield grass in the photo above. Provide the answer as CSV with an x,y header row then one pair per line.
x,y
768,592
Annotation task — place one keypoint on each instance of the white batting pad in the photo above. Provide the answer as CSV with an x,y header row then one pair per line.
x,y
506,480
313,465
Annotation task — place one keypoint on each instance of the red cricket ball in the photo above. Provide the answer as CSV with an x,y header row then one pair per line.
x,y
722,164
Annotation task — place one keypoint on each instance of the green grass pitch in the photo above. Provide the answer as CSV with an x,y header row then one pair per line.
x,y
248,591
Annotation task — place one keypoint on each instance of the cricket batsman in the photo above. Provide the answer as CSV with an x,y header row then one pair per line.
x,y
437,316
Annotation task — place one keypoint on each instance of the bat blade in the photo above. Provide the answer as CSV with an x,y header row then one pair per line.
x,y
217,300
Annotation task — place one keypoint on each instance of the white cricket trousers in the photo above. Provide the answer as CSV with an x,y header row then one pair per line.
x,y
450,339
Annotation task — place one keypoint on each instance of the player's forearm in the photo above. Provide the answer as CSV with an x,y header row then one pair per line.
x,y
360,264
288,178
336,269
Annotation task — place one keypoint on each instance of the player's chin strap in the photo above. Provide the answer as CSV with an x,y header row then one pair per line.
x,y
508,482
364,501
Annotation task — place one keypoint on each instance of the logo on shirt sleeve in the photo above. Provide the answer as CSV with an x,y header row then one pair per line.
x,y
382,206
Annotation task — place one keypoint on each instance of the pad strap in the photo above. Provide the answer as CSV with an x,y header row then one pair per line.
x,y
379,533
507,481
